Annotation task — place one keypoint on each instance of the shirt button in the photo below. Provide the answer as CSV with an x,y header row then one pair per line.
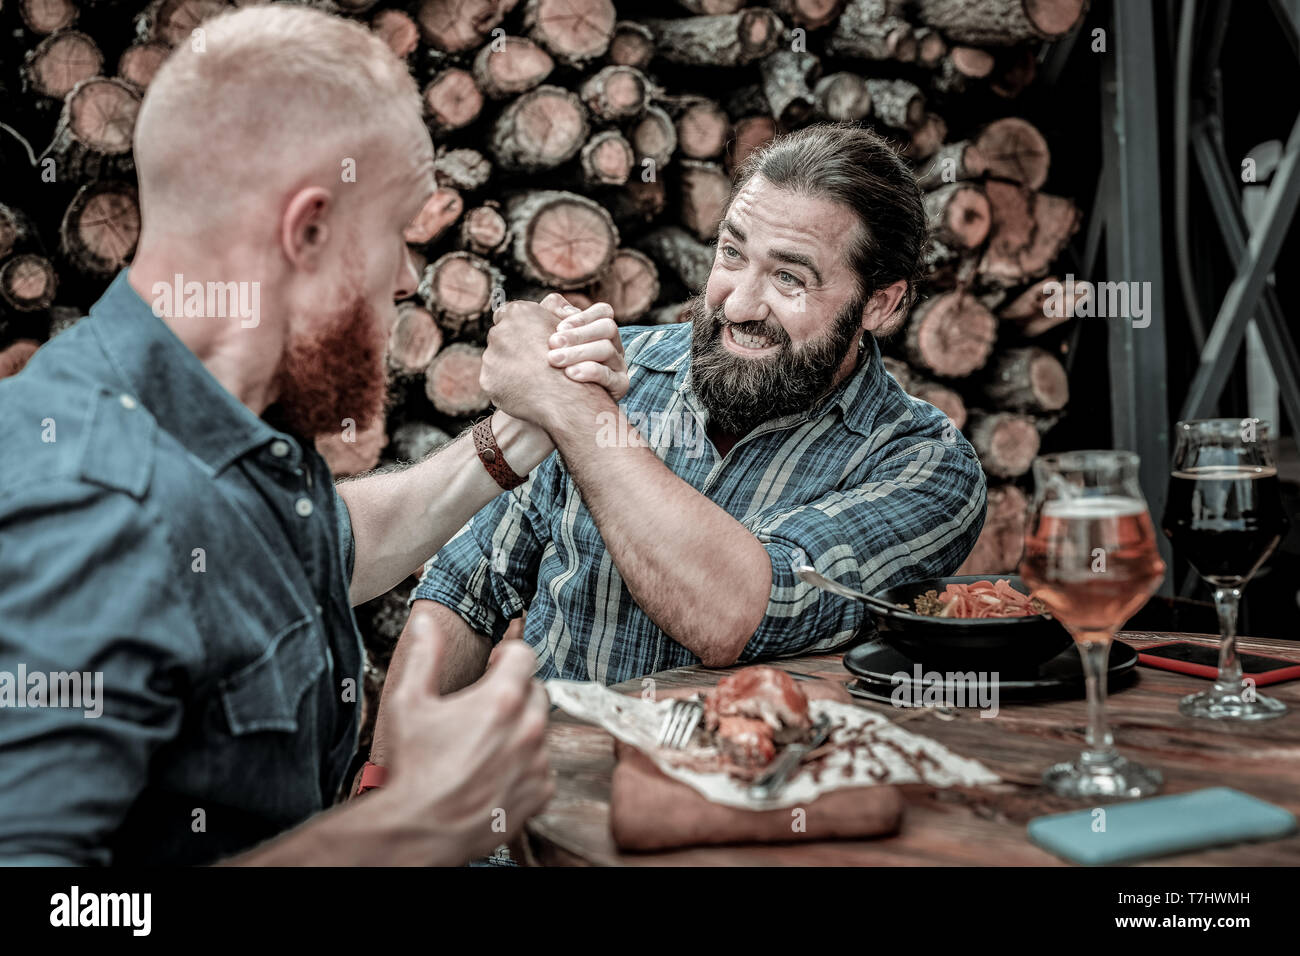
x,y
127,402
319,610
303,506
279,448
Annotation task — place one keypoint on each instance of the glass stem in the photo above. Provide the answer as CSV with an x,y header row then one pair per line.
x,y
1226,600
1096,655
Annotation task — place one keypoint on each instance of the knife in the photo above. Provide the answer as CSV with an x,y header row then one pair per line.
x,y
770,783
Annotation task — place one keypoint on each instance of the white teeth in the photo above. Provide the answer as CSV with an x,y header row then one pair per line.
x,y
745,340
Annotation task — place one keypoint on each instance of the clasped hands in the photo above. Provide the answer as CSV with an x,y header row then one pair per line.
x,y
543,359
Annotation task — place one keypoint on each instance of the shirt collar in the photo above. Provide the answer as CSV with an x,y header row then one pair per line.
x,y
170,381
858,397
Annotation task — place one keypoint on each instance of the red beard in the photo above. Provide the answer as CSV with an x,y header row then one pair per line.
x,y
338,374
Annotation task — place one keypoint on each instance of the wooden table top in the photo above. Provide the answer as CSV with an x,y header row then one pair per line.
x,y
968,827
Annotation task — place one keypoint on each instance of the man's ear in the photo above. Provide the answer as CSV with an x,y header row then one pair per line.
x,y
304,227
880,308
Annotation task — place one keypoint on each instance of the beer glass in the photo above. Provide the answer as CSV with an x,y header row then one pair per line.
x,y
1224,514
1090,556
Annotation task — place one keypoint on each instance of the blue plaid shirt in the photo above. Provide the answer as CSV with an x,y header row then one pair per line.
x,y
872,487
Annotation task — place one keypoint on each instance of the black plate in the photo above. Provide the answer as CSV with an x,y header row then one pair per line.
x,y
994,643
875,664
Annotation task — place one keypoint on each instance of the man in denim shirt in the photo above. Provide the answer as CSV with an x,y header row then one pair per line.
x,y
180,671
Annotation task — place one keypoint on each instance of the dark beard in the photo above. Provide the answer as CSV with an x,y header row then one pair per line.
x,y
740,393
340,373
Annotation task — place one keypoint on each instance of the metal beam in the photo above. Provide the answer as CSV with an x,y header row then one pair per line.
x,y
1243,294
1134,251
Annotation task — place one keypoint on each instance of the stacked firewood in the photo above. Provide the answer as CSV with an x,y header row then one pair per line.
x,y
589,147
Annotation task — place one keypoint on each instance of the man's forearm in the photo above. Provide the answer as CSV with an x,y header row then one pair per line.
x,y
400,519
368,832
464,659
697,572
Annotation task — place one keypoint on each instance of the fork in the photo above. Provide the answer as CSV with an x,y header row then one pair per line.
x,y
767,785
679,723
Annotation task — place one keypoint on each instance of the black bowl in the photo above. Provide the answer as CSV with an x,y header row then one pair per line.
x,y
1006,644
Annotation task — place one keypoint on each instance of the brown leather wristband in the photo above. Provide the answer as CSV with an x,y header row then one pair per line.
x,y
489,452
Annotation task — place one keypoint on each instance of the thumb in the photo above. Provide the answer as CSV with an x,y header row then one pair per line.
x,y
425,658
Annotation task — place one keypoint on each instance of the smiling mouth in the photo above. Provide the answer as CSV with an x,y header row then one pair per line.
x,y
745,343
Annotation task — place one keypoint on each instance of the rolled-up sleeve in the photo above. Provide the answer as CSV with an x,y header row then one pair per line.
x,y
487,573
88,590
916,515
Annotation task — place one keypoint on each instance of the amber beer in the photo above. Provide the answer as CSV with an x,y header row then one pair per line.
x,y
1093,562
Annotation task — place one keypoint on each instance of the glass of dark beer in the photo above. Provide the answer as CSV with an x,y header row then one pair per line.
x,y
1224,514
1090,556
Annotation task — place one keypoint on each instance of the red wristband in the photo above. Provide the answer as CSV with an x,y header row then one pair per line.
x,y
373,777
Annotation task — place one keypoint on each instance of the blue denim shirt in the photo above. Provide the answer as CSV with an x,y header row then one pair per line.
x,y
157,535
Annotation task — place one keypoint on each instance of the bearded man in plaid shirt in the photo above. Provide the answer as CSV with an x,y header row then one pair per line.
x,y
761,435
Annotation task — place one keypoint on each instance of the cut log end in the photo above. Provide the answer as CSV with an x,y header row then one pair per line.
x,y
452,381
414,340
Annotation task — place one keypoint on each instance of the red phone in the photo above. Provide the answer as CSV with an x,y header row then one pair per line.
x,y
1202,660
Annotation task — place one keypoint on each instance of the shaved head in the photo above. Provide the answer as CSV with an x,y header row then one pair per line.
x,y
264,99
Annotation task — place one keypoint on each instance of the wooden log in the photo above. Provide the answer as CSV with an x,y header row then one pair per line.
x,y
451,381
871,30
680,253
1002,539
705,189
454,26
59,62
438,213
15,356
397,29
353,452
174,21
950,335
842,98
927,138
1014,149
94,134
483,229
640,201
702,128
633,44
654,137
787,83
28,282
726,40
140,62
511,66
1006,442
897,103
540,130
415,441
44,17
1026,380
101,226
575,32
950,163
1029,310
711,7
942,397
748,135
958,215
747,100
615,93
1056,219
960,67
1016,70
1012,210
560,239
607,159
1001,22
413,341
931,47
459,289
630,286
669,314
17,232
809,14
452,100
462,169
